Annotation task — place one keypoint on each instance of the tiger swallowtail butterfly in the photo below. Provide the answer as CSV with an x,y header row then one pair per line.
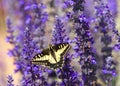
x,y
53,56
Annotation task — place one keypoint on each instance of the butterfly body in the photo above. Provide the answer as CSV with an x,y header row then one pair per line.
x,y
53,56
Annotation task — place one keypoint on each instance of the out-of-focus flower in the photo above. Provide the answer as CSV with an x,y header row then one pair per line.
x,y
113,7
30,39
10,81
32,75
78,5
11,38
68,3
106,19
106,26
10,30
84,44
68,75
58,32
27,45
84,50
39,22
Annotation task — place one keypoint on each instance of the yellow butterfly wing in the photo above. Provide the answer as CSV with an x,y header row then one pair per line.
x,y
41,58
60,51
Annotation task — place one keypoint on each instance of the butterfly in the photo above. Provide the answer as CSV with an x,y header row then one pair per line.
x,y
53,56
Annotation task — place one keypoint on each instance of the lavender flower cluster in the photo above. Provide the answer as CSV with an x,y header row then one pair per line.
x,y
30,38
106,26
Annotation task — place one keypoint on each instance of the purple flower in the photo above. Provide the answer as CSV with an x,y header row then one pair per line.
x,y
10,30
68,75
84,50
78,5
58,32
30,75
25,46
10,81
106,19
29,39
84,44
11,39
68,3
40,18
116,47
106,24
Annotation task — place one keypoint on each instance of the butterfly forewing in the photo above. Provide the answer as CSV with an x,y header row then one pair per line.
x,y
61,49
41,58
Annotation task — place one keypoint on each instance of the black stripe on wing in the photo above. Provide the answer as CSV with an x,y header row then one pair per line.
x,y
59,46
40,57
